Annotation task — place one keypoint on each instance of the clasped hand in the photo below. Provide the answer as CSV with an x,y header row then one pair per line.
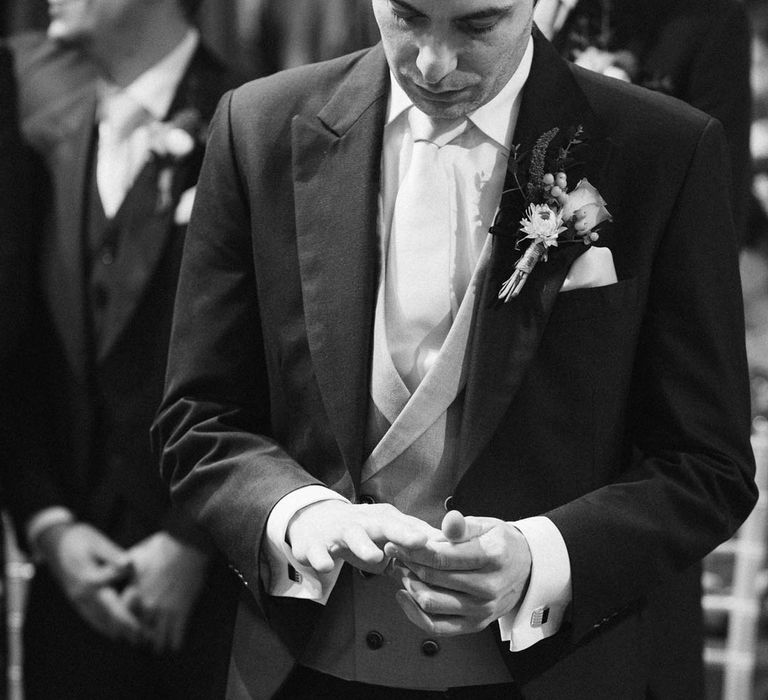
x,y
456,580
141,595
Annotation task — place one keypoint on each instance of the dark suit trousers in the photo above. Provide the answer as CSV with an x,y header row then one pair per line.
x,y
308,684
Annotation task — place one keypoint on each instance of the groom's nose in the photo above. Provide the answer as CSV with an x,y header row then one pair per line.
x,y
436,59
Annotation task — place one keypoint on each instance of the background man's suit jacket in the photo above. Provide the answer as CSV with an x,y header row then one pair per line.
x,y
15,249
698,51
620,412
96,396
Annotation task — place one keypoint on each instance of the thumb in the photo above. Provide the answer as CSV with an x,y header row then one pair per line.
x,y
454,527
457,528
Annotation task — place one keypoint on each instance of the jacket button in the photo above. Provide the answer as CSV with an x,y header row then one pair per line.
x,y
367,500
429,647
448,504
374,640
107,256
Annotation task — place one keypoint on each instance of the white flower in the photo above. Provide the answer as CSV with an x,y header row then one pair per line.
x,y
183,212
542,224
585,200
179,142
169,140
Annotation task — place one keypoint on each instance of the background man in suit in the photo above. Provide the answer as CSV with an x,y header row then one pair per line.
x,y
115,103
348,373
15,277
695,50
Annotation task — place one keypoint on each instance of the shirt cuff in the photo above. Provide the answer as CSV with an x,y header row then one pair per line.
x,y
541,611
287,577
41,521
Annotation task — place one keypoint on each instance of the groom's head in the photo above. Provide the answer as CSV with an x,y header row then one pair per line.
x,y
452,56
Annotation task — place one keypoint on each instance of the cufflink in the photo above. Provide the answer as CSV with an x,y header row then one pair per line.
x,y
294,575
540,616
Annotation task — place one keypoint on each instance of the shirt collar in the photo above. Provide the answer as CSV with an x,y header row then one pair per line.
x,y
495,118
155,89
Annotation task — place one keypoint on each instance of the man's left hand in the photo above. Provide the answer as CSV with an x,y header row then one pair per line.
x,y
477,572
168,579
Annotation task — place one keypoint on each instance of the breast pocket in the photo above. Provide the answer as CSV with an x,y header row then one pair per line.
x,y
592,302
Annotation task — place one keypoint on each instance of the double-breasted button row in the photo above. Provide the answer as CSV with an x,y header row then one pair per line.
x,y
375,640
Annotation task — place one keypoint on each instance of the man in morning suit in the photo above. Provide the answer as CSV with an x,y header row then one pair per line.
x,y
115,102
427,489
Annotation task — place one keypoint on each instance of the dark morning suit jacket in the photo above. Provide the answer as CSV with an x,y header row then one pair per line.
x,y
620,412
97,391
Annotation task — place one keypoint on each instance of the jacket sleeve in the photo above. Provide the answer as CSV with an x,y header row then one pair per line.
x,y
213,427
690,481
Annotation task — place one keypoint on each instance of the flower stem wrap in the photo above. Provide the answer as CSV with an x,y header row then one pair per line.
x,y
526,263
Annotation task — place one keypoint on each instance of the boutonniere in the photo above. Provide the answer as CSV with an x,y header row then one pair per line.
x,y
170,143
554,214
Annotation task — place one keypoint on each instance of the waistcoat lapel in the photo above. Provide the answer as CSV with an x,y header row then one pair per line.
x,y
437,391
144,231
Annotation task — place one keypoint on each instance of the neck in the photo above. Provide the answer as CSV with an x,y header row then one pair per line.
x,y
139,43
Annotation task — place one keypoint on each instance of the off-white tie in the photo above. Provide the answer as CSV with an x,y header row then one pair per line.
x,y
117,162
420,248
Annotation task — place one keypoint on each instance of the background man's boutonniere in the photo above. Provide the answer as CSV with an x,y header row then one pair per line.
x,y
170,142
554,214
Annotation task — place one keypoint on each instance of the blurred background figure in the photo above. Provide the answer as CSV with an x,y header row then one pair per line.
x,y
128,598
305,31
16,238
695,50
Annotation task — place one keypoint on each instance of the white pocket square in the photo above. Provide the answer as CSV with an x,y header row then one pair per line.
x,y
591,269
184,209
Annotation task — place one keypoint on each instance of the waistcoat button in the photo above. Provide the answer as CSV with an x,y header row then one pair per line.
x,y
374,640
367,500
429,647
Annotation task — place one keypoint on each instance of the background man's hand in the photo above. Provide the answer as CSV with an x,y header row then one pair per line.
x,y
475,572
90,568
324,532
169,576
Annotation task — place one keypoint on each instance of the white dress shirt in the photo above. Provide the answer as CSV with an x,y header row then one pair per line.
x,y
480,167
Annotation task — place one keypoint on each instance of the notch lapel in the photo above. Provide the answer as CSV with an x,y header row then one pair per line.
x,y
506,336
62,255
336,160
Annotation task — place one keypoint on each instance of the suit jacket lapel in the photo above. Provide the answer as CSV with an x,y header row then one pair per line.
x,y
336,160
147,228
506,336
62,264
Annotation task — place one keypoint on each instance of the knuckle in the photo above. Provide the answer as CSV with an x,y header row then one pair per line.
x,y
426,602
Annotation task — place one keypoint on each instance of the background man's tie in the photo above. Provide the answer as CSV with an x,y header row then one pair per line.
x,y
420,250
116,161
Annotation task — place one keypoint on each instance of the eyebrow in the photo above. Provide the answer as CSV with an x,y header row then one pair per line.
x,y
479,14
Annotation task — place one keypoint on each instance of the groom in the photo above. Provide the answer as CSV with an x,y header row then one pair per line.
x,y
527,485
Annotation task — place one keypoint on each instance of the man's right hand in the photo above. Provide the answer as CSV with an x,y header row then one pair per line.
x,y
324,532
89,568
